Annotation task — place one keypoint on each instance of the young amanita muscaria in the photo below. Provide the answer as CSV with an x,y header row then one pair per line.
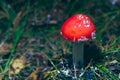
x,y
78,29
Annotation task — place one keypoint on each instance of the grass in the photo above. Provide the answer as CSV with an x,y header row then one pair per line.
x,y
41,51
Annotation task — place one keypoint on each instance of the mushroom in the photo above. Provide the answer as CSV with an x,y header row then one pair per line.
x,y
78,29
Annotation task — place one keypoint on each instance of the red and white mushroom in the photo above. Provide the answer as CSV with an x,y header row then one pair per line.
x,y
78,28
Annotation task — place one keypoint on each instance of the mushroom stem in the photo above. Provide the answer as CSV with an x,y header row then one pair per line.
x,y
78,55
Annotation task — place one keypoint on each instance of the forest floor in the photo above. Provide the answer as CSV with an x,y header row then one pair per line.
x,y
31,47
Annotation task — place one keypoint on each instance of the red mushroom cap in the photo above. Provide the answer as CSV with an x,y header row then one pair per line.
x,y
78,27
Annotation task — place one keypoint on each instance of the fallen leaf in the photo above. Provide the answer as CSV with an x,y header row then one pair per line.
x,y
18,65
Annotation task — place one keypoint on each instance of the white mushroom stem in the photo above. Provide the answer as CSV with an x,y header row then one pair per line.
x,y
78,55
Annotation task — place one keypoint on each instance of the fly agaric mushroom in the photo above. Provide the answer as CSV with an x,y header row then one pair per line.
x,y
78,28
